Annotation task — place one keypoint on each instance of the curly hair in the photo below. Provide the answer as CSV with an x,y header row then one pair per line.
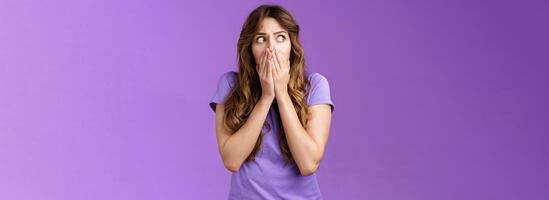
x,y
247,88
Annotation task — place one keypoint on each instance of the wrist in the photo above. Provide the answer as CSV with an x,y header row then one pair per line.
x,y
281,91
282,96
266,98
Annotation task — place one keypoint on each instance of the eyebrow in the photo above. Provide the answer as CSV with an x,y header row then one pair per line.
x,y
276,33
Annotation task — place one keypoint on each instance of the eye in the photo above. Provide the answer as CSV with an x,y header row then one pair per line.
x,y
281,38
260,39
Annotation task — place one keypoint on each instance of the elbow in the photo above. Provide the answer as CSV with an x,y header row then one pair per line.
x,y
310,166
232,166
309,169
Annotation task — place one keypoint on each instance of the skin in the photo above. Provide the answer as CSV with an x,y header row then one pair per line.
x,y
271,48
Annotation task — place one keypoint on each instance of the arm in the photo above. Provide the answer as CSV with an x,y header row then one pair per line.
x,y
235,148
306,144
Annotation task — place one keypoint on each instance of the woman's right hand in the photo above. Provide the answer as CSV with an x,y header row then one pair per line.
x,y
264,70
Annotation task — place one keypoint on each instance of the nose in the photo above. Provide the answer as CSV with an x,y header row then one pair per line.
x,y
271,42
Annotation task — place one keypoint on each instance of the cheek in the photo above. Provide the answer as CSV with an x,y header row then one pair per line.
x,y
285,52
257,51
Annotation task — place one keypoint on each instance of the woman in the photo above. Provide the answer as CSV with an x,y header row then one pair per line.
x,y
272,120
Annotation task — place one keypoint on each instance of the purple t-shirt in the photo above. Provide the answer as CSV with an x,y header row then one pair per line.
x,y
266,177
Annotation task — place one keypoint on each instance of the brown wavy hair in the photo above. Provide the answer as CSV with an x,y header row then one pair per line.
x,y
247,88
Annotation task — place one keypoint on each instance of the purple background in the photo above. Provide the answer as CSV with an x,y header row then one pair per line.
x,y
434,100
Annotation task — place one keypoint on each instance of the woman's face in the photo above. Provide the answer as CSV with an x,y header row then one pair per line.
x,y
271,35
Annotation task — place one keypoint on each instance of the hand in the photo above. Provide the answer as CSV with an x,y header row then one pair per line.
x,y
264,70
281,73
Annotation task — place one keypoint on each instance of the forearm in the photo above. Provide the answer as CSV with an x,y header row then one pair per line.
x,y
304,149
240,144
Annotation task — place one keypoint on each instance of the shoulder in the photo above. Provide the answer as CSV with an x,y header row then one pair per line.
x,y
316,79
229,76
224,85
226,80
319,90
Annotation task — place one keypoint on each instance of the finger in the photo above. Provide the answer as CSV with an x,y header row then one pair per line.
x,y
277,61
269,56
264,63
258,64
284,63
268,70
272,67
262,58
288,63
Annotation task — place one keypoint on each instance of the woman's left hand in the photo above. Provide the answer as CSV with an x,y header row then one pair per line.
x,y
280,73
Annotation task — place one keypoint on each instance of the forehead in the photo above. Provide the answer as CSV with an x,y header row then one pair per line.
x,y
270,25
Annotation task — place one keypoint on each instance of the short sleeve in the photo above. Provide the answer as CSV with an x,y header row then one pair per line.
x,y
224,85
319,92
